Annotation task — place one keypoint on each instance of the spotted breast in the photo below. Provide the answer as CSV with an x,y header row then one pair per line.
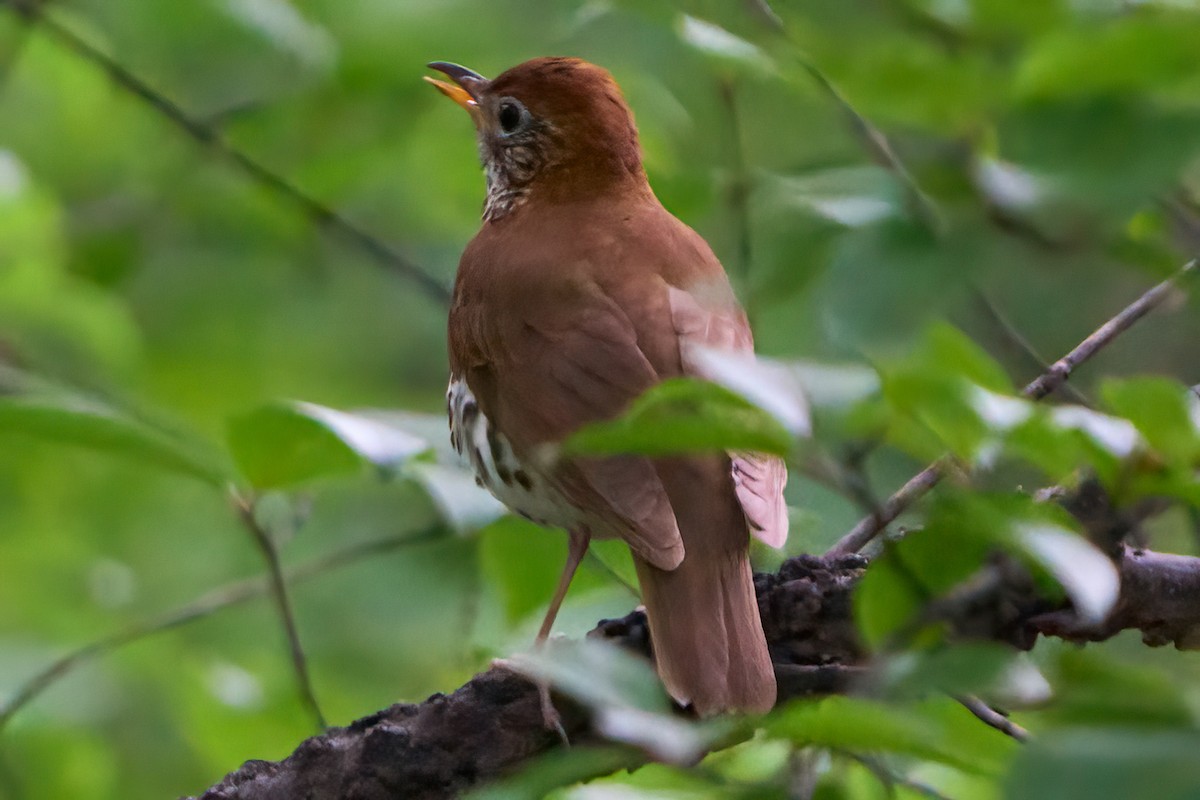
x,y
521,487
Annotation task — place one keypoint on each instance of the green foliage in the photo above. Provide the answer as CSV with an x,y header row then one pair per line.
x,y
863,170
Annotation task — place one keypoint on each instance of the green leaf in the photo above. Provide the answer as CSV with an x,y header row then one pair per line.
x,y
284,444
1094,688
770,385
980,668
38,408
939,387
1088,576
557,769
1124,763
721,45
625,694
1124,54
523,561
683,415
462,503
1161,411
911,571
849,196
931,731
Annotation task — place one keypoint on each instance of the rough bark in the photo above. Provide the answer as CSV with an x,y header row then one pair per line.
x,y
492,725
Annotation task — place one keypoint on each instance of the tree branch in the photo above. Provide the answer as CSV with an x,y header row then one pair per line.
x,y
491,726
919,485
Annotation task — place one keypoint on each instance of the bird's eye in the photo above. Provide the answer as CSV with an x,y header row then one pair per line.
x,y
511,115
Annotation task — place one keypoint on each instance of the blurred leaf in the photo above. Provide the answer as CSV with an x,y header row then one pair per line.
x,y
596,673
32,407
771,385
1088,576
615,556
625,694
1112,434
980,668
1107,157
682,415
523,561
281,23
557,769
835,385
462,503
288,443
1130,764
1160,409
858,725
723,46
849,196
911,571
1093,688
1124,54
938,386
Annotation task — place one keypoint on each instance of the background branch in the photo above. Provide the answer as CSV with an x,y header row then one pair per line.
x,y
216,600
919,485
204,133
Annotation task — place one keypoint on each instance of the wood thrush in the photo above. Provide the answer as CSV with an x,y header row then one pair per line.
x,y
579,292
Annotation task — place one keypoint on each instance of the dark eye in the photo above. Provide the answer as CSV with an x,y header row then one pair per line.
x,y
511,115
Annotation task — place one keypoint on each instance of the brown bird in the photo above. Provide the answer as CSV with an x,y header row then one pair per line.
x,y
579,292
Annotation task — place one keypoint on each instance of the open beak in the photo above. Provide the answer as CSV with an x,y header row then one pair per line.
x,y
467,86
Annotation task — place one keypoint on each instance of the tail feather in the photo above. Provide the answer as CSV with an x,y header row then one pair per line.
x,y
704,622
708,638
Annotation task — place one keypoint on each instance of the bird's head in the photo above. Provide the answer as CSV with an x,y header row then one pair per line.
x,y
552,127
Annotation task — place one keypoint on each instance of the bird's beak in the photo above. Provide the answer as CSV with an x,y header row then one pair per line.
x,y
467,88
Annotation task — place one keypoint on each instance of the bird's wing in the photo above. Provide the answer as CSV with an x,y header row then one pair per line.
x,y
561,356
759,479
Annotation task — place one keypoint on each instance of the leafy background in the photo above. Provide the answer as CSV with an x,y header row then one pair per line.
x,y
161,309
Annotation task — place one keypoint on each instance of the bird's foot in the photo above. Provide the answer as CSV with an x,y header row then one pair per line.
x,y
551,719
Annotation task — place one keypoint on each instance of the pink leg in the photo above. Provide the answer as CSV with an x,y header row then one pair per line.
x,y
577,547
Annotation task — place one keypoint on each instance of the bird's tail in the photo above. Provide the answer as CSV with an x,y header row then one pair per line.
x,y
708,639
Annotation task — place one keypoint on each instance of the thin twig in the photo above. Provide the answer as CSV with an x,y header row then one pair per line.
x,y
880,149
993,718
207,135
1014,337
211,602
873,139
919,485
279,593
739,190
1060,370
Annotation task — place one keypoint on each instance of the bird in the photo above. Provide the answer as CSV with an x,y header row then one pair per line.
x,y
579,292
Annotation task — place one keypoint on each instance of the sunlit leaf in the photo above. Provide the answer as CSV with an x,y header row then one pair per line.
x,y
849,196
768,384
684,415
624,693
713,40
1160,410
1123,55
462,503
1089,577
288,443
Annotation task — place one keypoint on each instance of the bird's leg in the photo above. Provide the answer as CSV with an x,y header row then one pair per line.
x,y
577,547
